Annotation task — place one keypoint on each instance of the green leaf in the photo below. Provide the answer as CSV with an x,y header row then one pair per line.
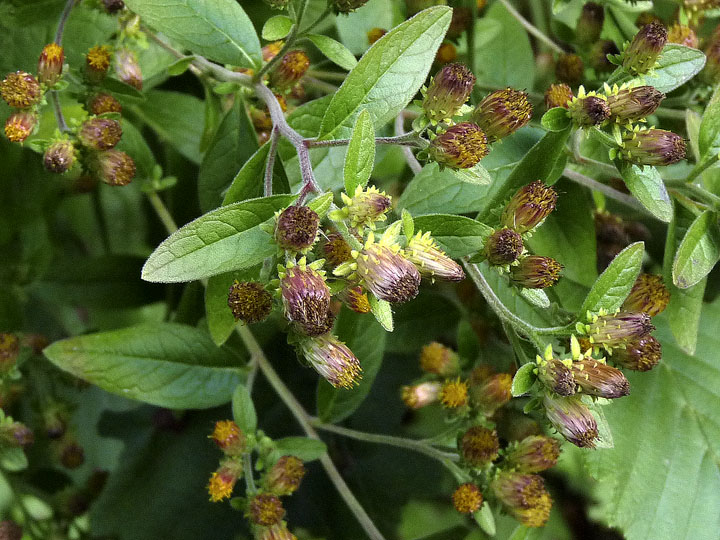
x,y
541,162
408,223
276,27
709,136
458,236
334,50
232,146
676,65
228,238
321,205
164,364
382,310
612,287
536,297
389,75
647,186
218,29
360,156
431,190
485,519
366,338
523,380
301,447
13,459
180,66
698,252
249,180
683,311
353,28
556,119
660,480
244,410
474,175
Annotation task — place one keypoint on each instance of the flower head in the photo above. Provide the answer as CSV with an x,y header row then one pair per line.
x,y
555,375
346,6
569,68
297,228
421,395
572,419
524,496
100,133
9,351
271,50
535,272
265,509
20,90
504,246
479,446
641,354
632,104
228,437
533,454
127,68
15,434
289,70
437,359
59,156
617,329
306,298
653,147
104,103
492,393
50,64
558,95
598,379
430,260
446,53
529,207
285,476
365,207
356,299
642,53
374,34
649,295
454,394
448,91
589,110
97,63
502,112
332,359
336,250
683,35
20,125
114,167
467,498
279,531
113,6
462,146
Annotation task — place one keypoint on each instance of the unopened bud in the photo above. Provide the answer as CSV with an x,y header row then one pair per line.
x,y
127,68
711,72
97,63
502,247
374,34
279,531
446,53
632,104
642,53
599,55
265,509
59,156
297,228
365,207
492,393
113,6
289,70
438,359
556,376
618,329
479,446
228,437
332,359
533,454
683,35
20,125
524,496
461,17
346,6
306,298
460,147
649,295
16,434
598,379
356,299
590,23
536,272
529,207
449,89
467,498
249,301
421,395
454,394
639,355
285,476
387,274
50,64
653,147
558,95
114,167
569,69
589,111
104,103
20,90
9,351
271,50
336,250
222,481
72,455
430,260
502,112
572,419
100,133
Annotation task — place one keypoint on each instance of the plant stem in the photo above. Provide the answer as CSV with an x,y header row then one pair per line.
x,y
412,161
701,168
274,139
304,420
698,191
530,28
162,212
63,19
59,118
317,21
606,190
407,139
248,471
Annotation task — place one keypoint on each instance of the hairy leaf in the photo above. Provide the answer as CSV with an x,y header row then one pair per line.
x,y
648,187
614,284
335,51
360,156
698,251
458,236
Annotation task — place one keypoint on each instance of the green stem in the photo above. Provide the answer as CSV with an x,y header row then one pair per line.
x,y
530,28
303,419
701,168
317,21
248,470
699,191
162,212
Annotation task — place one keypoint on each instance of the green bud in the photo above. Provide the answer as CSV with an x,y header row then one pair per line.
x,y
589,111
448,91
652,147
462,146
642,53
632,104
502,112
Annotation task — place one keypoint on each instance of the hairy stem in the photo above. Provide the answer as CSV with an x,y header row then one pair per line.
x,y
530,28
406,139
162,212
274,139
63,19
304,420
412,161
606,190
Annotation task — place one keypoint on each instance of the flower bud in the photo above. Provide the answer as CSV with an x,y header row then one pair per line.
x,y
449,89
454,394
16,434
332,359
639,355
439,360
479,446
55,423
430,260
598,379
533,454
336,250
285,476
598,57
97,63
249,301
50,64
279,531
59,156
365,207
524,496
306,298
589,111
446,53
683,35
556,376
502,112
535,272
529,207
100,133
113,6
617,329
72,455
492,393
289,70
649,295
572,419
104,103
460,147
569,69
374,34
229,438
503,246
653,147
642,53
346,6
388,275
467,498
114,167
296,228
632,104
265,509
421,395
20,125
20,90
127,68
222,481
9,351
558,95
355,299
590,23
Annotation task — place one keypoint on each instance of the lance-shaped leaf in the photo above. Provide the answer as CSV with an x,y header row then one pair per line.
x,y
698,252
646,184
614,284
360,156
